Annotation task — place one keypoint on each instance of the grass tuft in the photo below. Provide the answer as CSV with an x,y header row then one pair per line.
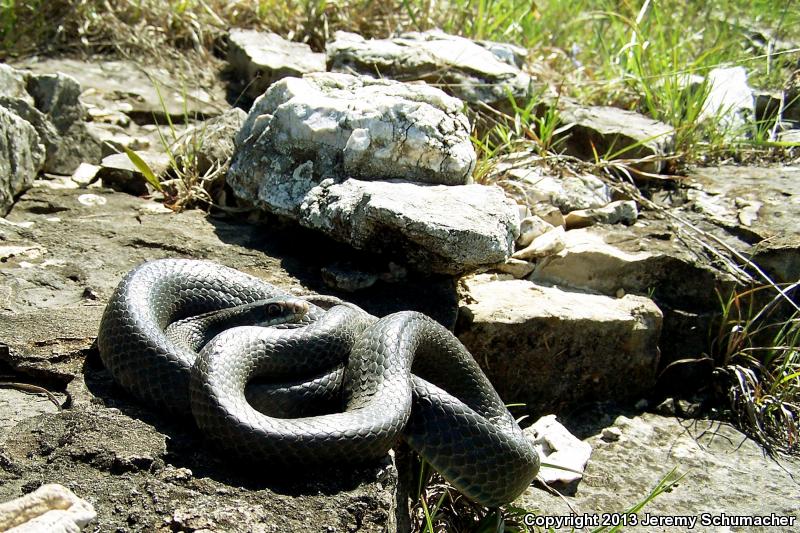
x,y
757,352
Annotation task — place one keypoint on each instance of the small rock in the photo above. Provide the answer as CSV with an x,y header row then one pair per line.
x,y
516,267
730,99
154,208
530,228
557,446
549,213
53,508
689,409
619,212
666,408
549,243
85,174
56,182
748,211
259,59
611,434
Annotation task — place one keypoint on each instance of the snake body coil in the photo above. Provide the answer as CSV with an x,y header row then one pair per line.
x,y
446,410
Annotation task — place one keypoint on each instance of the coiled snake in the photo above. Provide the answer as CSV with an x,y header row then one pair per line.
x,y
341,357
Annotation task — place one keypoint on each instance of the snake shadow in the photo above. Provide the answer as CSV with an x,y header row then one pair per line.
x,y
308,255
187,448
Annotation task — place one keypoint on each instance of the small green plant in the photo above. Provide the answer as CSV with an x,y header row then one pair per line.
x,y
757,353
451,512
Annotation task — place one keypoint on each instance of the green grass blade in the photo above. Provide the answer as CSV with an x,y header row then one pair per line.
x,y
144,168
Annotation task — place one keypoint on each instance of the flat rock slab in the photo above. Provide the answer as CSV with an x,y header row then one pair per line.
x,y
552,349
259,59
475,71
759,205
725,473
650,257
435,228
615,133
127,87
18,405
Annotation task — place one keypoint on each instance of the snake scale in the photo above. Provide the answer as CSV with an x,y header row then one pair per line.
x,y
353,370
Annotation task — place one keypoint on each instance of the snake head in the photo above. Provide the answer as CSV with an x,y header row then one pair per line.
x,y
276,311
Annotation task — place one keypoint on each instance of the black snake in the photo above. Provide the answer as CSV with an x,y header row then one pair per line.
x,y
446,410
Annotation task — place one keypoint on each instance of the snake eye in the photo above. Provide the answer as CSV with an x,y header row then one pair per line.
x,y
273,310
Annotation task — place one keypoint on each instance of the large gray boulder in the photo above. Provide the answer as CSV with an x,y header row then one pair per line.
x,y
259,59
475,71
336,125
21,157
381,165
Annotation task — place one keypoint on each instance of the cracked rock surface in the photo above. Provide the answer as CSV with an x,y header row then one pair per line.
x,y
475,71
380,165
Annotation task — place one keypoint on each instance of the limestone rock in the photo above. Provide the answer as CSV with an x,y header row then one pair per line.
x,y
615,132
14,84
548,243
302,131
473,71
313,150
619,212
21,157
126,86
538,185
537,343
730,99
259,59
436,228
557,446
52,508
49,102
517,268
639,259
549,213
755,202
530,228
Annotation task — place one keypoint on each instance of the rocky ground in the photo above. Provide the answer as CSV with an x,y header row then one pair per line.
x,y
569,289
